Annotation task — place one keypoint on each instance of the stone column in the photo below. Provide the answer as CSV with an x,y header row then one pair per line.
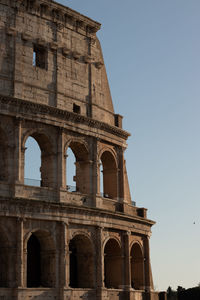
x,y
147,267
83,182
127,261
65,257
61,162
94,167
100,262
19,259
18,158
121,175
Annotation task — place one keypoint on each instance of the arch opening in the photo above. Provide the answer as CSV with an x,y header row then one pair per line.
x,y
109,177
137,267
112,264
40,260
78,168
32,174
81,262
39,161
71,171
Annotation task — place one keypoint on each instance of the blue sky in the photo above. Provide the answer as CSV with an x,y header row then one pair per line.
x,y
152,55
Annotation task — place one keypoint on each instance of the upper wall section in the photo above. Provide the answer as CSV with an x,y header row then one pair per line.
x,y
50,55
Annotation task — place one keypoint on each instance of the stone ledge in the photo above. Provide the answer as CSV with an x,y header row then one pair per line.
x,y
24,106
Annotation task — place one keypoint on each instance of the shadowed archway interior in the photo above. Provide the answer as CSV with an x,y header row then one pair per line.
x,y
112,264
82,273
40,260
137,267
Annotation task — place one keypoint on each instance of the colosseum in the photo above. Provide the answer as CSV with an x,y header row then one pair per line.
x,y
89,241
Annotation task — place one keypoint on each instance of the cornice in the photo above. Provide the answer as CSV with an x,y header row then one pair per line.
x,y
26,206
21,107
58,13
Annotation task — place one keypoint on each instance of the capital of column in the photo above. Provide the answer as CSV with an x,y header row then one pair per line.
x,y
127,233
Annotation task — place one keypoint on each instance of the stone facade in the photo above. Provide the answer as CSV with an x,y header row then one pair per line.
x,y
54,243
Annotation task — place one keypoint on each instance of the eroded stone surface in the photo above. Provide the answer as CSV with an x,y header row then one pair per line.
x,y
56,243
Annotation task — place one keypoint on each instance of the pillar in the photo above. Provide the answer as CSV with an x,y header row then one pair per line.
x,y
100,263
147,267
120,176
19,259
61,162
127,261
65,257
18,158
83,176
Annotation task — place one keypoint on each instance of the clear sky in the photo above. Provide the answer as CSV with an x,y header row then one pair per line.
x,y
152,55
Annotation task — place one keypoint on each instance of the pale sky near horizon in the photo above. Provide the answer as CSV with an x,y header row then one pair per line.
x,y
152,55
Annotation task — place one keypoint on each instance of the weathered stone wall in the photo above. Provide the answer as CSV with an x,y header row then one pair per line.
x,y
57,243
73,71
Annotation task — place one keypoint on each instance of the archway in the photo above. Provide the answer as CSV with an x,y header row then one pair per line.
x,y
112,264
45,160
109,175
71,171
137,267
81,262
32,166
41,260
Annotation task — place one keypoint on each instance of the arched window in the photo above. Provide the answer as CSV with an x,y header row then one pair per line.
x,y
40,161
40,260
109,175
71,171
78,156
81,262
3,157
137,267
112,264
33,262
101,180
32,174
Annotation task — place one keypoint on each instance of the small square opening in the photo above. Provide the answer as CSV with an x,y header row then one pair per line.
x,y
39,57
76,109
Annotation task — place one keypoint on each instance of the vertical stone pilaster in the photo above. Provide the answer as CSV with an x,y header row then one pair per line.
x,y
18,153
65,257
120,174
147,267
89,98
20,251
61,161
95,180
57,255
100,262
127,262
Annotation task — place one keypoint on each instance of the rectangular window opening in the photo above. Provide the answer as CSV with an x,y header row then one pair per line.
x,y
76,109
39,57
